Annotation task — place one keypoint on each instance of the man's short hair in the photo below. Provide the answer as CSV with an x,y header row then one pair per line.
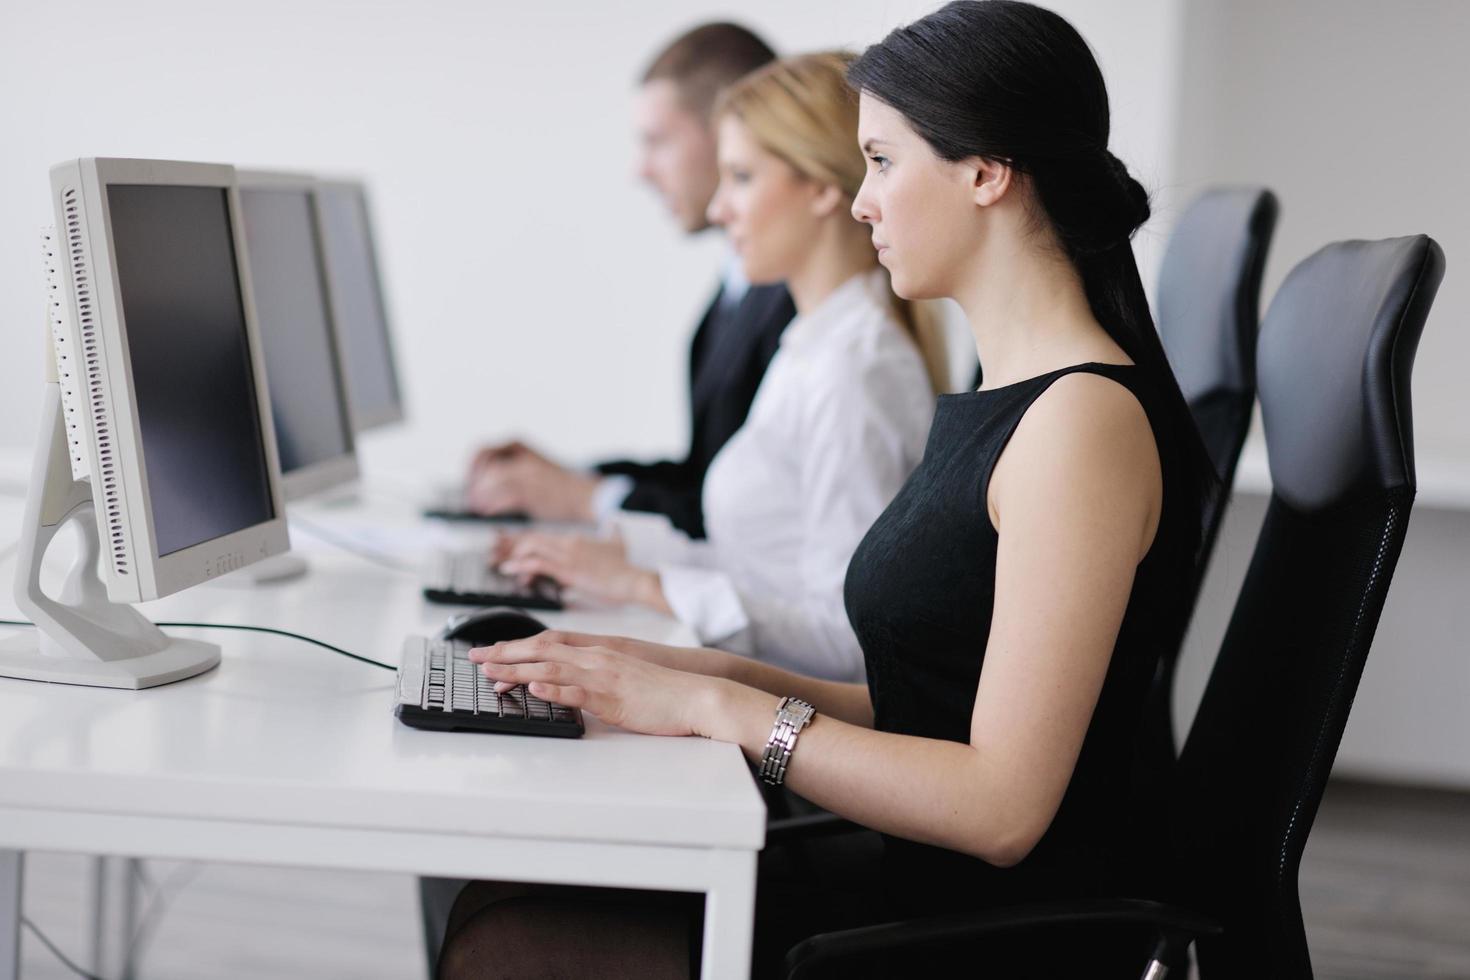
x,y
704,60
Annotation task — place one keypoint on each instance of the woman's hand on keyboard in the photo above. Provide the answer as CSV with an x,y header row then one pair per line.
x,y
693,660
596,566
618,687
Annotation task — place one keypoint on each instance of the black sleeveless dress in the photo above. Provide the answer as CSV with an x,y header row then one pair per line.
x,y
920,593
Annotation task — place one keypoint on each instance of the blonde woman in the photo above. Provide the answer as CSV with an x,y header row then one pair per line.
x,y
839,421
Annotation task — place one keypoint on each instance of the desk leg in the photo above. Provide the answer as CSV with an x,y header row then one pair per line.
x,y
114,914
10,892
729,917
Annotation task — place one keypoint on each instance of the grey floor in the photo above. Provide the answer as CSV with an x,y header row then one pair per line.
x,y
1385,889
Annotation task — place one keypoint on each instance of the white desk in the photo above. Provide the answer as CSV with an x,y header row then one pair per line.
x,y
288,754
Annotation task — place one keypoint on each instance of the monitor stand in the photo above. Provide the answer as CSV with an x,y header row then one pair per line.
x,y
82,637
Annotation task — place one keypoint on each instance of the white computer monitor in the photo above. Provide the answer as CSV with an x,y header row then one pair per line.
x,y
356,290
156,438
298,332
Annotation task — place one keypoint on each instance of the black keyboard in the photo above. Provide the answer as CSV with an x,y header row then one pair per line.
x,y
441,690
449,505
468,516
465,578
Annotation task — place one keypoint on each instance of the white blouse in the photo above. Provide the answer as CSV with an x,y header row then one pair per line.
x,y
837,425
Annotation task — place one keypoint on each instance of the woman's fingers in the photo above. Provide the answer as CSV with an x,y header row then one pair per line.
x,y
525,673
571,639
569,695
567,673
527,570
540,648
531,558
540,545
503,546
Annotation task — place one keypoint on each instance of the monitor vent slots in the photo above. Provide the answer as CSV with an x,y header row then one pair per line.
x,y
66,369
107,474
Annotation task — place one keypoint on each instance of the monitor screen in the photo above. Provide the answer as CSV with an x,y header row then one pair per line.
x,y
295,328
357,301
204,457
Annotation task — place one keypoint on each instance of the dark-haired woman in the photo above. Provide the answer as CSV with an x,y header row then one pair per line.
x,y
1012,600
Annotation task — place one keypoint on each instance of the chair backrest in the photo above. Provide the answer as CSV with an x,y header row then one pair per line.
x,y
1334,360
1208,300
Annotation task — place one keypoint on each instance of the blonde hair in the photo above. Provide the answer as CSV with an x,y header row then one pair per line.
x,y
802,110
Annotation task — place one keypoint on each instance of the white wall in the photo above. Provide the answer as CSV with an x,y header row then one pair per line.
x,y
1353,112
535,287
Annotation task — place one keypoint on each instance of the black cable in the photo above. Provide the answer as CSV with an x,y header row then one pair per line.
x,y
348,545
286,633
56,952
253,629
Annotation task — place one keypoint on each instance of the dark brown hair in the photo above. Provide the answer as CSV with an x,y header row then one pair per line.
x,y
704,60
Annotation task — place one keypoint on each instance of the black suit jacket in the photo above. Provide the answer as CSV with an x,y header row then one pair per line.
x,y
727,360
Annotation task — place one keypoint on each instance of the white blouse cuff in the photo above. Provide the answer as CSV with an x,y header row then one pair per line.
x,y
649,540
704,600
609,494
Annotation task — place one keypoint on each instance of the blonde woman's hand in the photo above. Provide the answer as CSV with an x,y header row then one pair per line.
x,y
595,566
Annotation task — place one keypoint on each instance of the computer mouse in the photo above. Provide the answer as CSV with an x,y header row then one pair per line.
x,y
483,627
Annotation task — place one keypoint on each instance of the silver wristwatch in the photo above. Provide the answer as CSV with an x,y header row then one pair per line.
x,y
792,715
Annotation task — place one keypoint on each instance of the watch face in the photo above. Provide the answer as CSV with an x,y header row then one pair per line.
x,y
792,715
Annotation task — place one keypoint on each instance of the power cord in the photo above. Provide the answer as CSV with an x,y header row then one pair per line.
x,y
286,633
25,921
251,629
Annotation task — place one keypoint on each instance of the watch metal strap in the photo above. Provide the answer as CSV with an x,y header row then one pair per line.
x,y
792,715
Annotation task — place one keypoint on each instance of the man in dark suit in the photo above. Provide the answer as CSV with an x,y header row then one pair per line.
x,y
734,342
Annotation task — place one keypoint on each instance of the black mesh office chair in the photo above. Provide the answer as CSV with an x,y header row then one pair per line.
x,y
1334,361
1209,301
1334,365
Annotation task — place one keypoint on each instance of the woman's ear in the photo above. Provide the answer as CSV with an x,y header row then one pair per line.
x,y
828,199
992,180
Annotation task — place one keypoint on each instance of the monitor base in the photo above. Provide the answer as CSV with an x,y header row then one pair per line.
x,y
82,636
21,657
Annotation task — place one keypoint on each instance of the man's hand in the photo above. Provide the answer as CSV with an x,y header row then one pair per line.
x,y
514,477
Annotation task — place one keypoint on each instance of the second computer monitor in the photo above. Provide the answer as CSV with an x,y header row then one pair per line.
x,y
357,301
309,398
